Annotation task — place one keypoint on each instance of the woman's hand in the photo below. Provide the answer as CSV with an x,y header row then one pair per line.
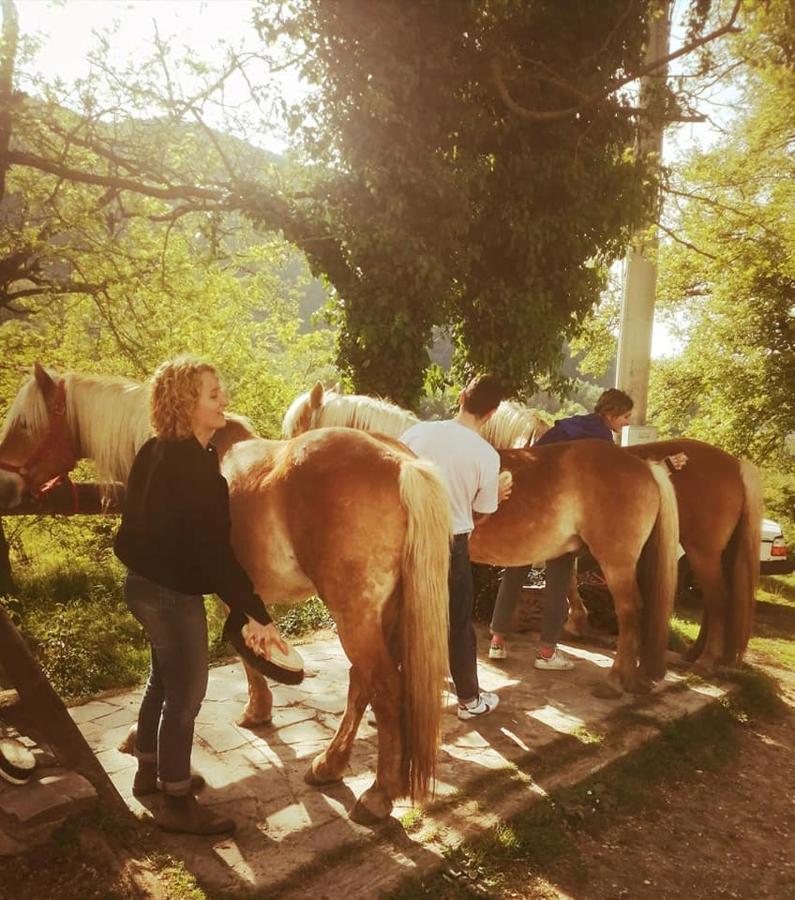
x,y
262,638
505,486
676,461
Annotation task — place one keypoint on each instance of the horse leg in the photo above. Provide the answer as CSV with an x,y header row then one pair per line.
x,y
577,622
330,765
391,779
375,677
623,586
259,708
710,647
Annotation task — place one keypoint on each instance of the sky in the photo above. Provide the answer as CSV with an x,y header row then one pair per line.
x,y
64,29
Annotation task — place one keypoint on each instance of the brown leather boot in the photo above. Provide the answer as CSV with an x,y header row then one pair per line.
x,y
183,813
146,781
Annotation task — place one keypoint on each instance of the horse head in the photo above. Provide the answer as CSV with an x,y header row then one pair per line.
x,y
303,412
35,443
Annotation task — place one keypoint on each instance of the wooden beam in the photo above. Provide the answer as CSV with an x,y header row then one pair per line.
x,y
47,711
73,499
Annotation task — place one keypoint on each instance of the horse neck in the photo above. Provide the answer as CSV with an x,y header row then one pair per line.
x,y
109,421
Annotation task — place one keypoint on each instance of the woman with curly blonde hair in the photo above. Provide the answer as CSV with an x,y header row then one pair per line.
x,y
175,541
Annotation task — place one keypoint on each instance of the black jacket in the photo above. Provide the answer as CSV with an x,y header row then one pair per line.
x,y
175,526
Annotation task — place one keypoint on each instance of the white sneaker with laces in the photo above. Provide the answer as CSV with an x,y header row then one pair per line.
x,y
481,706
498,651
557,662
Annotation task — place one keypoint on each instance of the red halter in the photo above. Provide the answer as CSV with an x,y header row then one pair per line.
x,y
58,441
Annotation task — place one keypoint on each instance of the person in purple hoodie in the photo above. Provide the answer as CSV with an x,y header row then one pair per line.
x,y
611,413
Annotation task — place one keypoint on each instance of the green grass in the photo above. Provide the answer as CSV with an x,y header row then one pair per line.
x,y
779,589
69,605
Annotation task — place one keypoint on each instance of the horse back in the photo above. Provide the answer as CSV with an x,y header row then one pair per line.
x,y
564,494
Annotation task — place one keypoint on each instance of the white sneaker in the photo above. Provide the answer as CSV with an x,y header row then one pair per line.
x,y
498,651
556,662
480,706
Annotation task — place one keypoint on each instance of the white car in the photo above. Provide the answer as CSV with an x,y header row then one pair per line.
x,y
774,556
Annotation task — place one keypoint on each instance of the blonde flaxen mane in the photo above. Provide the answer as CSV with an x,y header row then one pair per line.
x,y
512,425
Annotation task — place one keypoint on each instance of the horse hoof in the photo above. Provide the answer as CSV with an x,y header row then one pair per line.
x,y
311,776
371,808
606,691
128,744
250,720
642,686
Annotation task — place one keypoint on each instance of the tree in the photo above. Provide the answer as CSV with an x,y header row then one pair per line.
x,y
728,273
464,164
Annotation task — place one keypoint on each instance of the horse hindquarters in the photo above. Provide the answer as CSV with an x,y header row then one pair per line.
x,y
658,577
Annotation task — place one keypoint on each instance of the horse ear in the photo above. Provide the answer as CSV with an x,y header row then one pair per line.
x,y
337,389
45,383
316,396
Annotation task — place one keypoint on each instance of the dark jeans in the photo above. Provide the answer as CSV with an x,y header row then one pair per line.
x,y
558,573
463,641
176,625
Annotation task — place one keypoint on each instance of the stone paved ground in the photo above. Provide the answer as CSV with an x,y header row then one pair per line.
x,y
293,839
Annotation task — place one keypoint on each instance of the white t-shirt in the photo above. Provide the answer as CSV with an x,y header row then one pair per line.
x,y
470,467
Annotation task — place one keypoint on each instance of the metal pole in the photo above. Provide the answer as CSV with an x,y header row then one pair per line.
x,y
640,277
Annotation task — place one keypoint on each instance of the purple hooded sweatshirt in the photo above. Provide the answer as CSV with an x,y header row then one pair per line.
x,y
575,428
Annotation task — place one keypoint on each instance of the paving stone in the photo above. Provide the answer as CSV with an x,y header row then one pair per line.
x,y
125,716
304,732
90,711
49,799
328,703
221,736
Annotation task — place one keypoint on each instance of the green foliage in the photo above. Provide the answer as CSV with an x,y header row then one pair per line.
x,y
442,204
69,606
304,618
728,280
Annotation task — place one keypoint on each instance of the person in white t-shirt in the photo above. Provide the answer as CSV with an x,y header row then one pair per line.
x,y
470,468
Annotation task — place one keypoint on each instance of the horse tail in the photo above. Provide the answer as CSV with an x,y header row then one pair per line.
x,y
741,564
658,574
424,618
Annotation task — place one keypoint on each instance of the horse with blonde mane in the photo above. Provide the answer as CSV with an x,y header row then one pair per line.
x,y
355,519
565,496
512,425
719,503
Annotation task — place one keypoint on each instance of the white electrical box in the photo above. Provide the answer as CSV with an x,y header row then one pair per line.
x,y
637,434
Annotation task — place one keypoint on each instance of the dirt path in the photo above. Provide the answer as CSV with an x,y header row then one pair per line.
x,y
726,830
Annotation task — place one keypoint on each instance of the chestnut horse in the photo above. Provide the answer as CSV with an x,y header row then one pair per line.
x,y
719,500
512,425
355,519
566,496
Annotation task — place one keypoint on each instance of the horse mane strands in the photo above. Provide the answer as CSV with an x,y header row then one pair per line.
x,y
512,425
366,414
109,418
28,407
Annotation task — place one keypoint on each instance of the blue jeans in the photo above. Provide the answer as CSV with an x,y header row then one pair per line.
x,y
558,573
463,641
176,625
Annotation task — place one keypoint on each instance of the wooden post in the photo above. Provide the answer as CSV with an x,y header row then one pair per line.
x,y
640,278
51,716
6,578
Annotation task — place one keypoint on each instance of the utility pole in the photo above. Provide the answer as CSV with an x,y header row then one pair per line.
x,y
640,273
